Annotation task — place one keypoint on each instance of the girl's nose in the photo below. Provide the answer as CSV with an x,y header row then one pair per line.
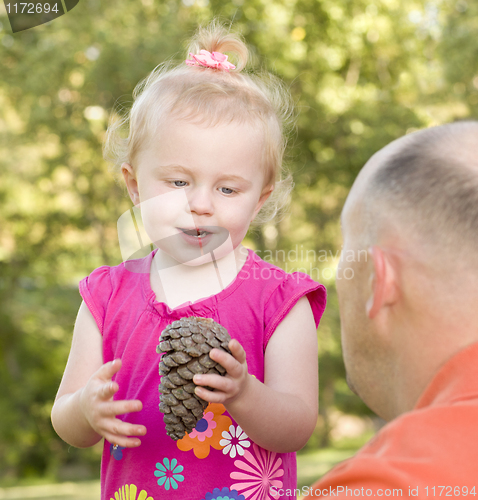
x,y
200,201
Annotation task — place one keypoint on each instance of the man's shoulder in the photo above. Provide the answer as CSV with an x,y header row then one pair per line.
x,y
427,447
412,428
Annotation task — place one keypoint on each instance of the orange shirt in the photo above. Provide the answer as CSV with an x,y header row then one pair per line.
x,y
429,452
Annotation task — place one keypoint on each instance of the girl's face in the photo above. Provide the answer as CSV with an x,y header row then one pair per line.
x,y
194,178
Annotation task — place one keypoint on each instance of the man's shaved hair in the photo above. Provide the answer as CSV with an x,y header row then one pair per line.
x,y
430,188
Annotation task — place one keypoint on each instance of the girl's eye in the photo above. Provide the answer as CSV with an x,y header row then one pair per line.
x,y
227,190
179,183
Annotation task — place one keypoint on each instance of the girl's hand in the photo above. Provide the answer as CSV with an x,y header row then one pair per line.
x,y
231,386
100,410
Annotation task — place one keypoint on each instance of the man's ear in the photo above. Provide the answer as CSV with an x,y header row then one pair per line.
x,y
383,289
131,182
266,192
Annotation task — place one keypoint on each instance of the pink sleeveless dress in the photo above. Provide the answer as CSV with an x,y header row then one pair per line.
x,y
217,460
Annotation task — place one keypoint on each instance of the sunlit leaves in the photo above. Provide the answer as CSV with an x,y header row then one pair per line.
x,y
361,72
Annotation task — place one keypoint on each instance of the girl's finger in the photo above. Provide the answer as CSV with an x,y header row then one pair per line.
x,y
108,390
121,407
123,441
237,350
108,370
210,396
213,381
224,359
119,428
231,364
216,382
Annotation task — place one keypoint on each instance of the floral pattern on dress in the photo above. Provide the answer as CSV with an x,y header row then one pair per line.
x,y
234,441
129,492
258,473
201,442
168,474
117,451
224,494
204,427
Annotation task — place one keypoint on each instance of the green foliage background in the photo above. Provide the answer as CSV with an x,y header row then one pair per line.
x,y
362,73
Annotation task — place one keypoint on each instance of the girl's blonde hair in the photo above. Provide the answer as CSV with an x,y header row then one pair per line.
x,y
210,96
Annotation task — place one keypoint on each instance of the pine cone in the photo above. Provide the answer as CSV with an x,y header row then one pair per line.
x,y
186,344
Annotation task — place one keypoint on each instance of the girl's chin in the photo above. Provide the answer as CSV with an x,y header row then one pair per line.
x,y
177,252
204,259
173,257
188,260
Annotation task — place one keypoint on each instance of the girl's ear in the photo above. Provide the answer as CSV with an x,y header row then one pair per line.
x,y
266,192
131,182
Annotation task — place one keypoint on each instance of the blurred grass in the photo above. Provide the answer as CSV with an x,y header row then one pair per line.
x,y
88,490
310,467
313,465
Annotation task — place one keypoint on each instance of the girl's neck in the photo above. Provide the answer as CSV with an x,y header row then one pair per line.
x,y
175,283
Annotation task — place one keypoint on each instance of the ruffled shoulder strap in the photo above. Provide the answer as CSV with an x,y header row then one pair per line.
x,y
288,292
96,290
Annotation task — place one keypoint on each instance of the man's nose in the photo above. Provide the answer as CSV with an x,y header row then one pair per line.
x,y
200,201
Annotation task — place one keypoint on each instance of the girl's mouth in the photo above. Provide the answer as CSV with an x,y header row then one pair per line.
x,y
197,236
195,232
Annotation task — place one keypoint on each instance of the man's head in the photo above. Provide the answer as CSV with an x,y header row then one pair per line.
x,y
410,227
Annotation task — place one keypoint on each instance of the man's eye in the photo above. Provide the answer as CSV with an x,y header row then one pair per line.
x,y
179,183
227,190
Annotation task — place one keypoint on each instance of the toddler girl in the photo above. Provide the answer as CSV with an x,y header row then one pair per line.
x,y
202,158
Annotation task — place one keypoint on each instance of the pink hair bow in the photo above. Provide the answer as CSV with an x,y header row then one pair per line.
x,y
216,60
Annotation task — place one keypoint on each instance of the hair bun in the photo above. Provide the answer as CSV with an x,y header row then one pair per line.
x,y
216,38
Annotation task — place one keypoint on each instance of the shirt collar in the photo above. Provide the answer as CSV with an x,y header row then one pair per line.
x,y
457,380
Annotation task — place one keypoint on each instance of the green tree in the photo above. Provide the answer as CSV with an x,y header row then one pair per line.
x,y
362,73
